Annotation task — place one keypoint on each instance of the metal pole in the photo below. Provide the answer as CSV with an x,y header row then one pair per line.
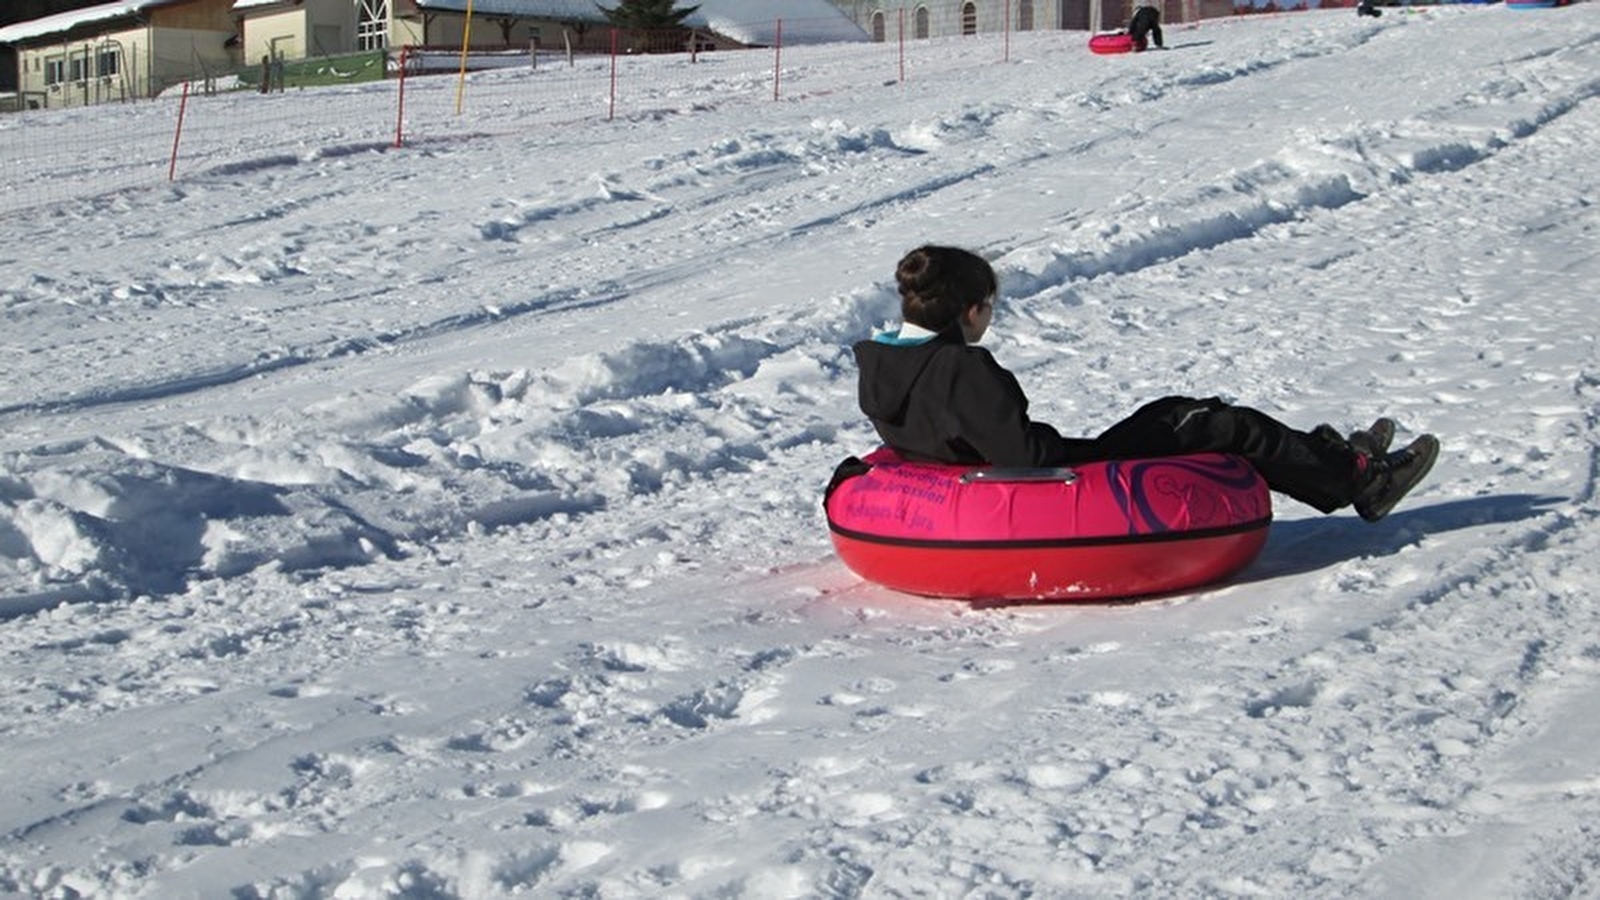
x,y
466,38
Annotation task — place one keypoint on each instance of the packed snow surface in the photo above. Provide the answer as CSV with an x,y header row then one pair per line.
x,y
444,521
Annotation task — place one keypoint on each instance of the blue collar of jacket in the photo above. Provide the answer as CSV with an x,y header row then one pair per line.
x,y
908,335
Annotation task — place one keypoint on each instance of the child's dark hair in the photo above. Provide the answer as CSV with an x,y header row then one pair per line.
x,y
938,284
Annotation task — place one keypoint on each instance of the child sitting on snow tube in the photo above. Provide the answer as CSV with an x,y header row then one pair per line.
x,y
934,397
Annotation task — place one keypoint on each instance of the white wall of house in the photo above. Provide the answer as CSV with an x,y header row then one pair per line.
x,y
331,27
316,28
183,54
405,31
117,65
80,72
279,33
112,53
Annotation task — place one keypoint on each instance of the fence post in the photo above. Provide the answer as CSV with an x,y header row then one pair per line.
x,y
400,114
902,46
1006,55
611,111
183,106
777,60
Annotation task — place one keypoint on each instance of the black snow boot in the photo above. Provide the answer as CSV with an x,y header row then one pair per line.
x,y
1374,440
1391,476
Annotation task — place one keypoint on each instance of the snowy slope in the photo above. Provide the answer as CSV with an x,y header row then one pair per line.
x,y
471,547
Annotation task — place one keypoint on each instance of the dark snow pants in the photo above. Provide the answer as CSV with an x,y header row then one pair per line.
x,y
1318,468
1146,21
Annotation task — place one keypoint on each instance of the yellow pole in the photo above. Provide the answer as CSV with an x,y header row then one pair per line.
x,y
466,38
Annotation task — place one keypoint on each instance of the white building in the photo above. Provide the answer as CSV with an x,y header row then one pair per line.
x,y
121,51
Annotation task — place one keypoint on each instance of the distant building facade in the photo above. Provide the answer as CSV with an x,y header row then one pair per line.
x,y
886,20
295,29
121,51
292,29
138,48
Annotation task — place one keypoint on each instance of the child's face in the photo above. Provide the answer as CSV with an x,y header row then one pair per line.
x,y
975,321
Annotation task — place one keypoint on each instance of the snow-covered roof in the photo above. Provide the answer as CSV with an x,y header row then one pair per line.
x,y
66,21
753,21
747,21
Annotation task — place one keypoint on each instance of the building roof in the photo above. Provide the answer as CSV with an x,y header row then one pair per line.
x,y
66,21
747,21
755,21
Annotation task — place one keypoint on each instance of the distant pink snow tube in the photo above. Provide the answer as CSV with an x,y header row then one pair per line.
x,y
1100,530
1112,43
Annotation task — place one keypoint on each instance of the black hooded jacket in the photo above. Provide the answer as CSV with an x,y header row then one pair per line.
x,y
943,400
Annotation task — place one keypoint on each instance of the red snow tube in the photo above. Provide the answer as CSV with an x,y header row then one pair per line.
x,y
1101,530
1111,42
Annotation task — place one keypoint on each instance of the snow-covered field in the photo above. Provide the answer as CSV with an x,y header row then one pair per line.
x,y
444,522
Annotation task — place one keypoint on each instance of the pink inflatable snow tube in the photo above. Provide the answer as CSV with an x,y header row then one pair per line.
x,y
1107,529
1112,43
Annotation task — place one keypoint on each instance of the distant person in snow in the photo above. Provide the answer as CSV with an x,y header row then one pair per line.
x,y
934,397
1145,26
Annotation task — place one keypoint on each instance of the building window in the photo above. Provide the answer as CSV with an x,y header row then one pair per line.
x,y
106,64
1024,15
79,68
55,70
372,27
879,33
921,24
969,18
